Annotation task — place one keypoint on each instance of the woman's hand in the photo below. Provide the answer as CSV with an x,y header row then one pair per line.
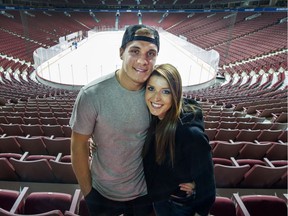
x,y
188,187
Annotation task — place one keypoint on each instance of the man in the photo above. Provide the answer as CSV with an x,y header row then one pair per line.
x,y
112,111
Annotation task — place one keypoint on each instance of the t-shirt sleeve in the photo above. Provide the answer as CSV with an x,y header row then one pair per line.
x,y
83,117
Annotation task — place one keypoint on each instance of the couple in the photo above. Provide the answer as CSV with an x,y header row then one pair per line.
x,y
171,144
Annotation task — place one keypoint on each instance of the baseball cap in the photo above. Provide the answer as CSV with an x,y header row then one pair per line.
x,y
130,31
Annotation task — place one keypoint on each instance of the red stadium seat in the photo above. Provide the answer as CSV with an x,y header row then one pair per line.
x,y
260,205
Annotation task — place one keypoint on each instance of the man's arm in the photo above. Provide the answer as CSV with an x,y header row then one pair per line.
x,y
80,161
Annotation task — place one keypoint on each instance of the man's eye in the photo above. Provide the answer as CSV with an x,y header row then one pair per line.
x,y
152,54
134,51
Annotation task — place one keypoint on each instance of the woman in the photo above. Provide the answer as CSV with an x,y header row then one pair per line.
x,y
177,154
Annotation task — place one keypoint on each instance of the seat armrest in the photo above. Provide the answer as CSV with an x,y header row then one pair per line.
x,y
75,201
19,200
240,204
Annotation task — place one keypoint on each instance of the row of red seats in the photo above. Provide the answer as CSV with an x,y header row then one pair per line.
x,y
37,168
222,134
250,150
15,203
233,173
246,125
250,173
246,135
38,145
62,119
35,130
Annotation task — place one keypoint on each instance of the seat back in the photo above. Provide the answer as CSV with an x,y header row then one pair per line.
x,y
229,176
8,198
7,171
262,176
40,202
33,171
259,205
223,206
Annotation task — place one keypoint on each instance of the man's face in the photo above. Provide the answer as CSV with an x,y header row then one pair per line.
x,y
139,58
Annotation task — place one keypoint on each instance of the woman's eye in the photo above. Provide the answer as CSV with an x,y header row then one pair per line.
x,y
166,92
150,88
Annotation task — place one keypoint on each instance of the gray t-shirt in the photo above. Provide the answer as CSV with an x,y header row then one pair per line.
x,y
118,120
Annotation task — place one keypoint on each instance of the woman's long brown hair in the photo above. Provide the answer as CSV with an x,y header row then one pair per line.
x,y
165,129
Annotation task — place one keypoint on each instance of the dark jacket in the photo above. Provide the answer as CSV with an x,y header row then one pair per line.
x,y
193,162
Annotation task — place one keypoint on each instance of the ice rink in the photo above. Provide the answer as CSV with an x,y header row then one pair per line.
x,y
99,55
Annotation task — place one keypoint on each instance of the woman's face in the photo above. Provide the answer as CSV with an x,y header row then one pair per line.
x,y
158,96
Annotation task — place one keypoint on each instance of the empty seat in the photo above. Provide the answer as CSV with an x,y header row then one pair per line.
x,y
269,135
32,114
229,176
279,126
33,145
48,120
250,162
15,119
67,130
9,197
12,201
10,145
7,171
223,206
53,130
222,161
226,150
57,145
10,155
260,205
282,117
3,120
63,121
63,172
283,136
33,171
262,125
32,120
262,176
38,157
212,118
245,125
227,125
60,114
41,202
278,151
226,134
247,135
12,129
211,124
211,132
32,130
253,150
45,114
257,119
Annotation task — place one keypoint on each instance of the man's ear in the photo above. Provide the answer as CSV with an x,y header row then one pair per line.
x,y
121,51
